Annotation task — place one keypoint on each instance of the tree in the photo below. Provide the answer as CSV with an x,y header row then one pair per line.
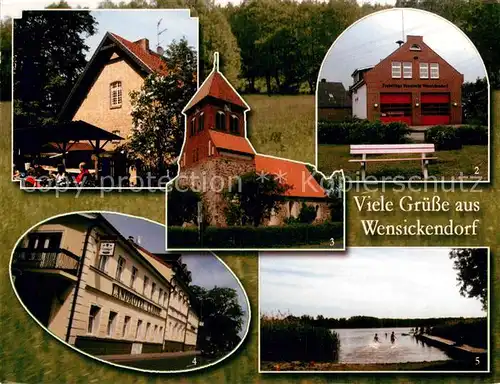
x,y
254,196
216,36
472,267
182,206
222,317
158,124
475,102
48,67
5,59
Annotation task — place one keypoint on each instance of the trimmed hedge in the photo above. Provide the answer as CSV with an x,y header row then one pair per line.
x,y
254,237
448,138
362,132
443,137
292,340
473,134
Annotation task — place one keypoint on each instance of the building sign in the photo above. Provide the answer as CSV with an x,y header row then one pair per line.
x,y
132,299
107,248
396,85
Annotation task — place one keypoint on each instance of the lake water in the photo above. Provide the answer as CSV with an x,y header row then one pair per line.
x,y
358,346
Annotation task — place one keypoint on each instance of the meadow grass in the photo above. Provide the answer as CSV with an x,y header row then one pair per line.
x,y
31,355
449,164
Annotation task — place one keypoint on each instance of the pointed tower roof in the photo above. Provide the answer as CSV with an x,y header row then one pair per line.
x,y
217,86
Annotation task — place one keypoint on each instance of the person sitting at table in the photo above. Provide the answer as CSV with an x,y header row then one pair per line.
x,y
62,178
83,175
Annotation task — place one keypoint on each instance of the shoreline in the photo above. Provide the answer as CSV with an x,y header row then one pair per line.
x,y
440,365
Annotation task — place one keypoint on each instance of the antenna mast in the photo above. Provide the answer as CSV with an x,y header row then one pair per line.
x,y
158,34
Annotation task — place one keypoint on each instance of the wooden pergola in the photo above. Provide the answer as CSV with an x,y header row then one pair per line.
x,y
62,137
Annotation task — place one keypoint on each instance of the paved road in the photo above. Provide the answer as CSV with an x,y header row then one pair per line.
x,y
169,363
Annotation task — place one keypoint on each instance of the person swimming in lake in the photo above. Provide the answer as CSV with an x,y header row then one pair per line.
x,y
375,339
393,337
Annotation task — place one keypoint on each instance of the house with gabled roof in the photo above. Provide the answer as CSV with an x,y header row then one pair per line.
x,y
101,95
216,152
414,85
334,102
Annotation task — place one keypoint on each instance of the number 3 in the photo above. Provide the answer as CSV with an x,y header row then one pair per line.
x,y
332,242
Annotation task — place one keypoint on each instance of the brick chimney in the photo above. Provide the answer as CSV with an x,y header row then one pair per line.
x,y
143,43
414,39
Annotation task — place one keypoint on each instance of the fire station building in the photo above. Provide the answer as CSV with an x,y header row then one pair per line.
x,y
413,85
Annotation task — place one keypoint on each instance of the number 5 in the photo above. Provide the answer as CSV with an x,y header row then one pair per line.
x,y
477,360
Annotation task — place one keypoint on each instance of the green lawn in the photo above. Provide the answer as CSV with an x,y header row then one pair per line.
x,y
282,125
449,165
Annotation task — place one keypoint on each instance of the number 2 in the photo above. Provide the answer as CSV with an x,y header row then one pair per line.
x,y
476,170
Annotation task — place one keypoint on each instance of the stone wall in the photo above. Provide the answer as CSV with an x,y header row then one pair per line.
x,y
291,208
212,177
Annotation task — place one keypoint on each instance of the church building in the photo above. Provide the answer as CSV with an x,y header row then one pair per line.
x,y
413,84
216,152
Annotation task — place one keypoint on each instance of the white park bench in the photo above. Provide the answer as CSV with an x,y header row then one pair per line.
x,y
385,149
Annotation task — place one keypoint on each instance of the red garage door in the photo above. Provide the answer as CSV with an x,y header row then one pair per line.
x,y
435,108
395,107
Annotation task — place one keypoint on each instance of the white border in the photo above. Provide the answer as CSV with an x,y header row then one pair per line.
x,y
401,372
341,171
249,310
397,182
107,189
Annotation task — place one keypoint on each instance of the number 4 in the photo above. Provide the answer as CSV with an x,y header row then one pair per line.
x,y
194,361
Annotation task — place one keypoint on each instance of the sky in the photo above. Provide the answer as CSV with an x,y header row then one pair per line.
x,y
379,282
206,270
373,38
13,8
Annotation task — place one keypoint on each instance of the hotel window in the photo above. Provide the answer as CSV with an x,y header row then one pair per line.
x,y
138,329
160,296
407,70
153,290
165,299
415,47
103,262
126,322
145,285
220,121
192,131
111,323
93,318
434,71
148,325
396,70
44,240
133,277
155,332
161,333
120,268
115,94
424,70
234,124
117,133
201,122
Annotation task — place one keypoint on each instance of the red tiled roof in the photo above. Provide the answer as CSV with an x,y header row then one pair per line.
x,y
75,147
151,59
218,87
294,174
230,142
